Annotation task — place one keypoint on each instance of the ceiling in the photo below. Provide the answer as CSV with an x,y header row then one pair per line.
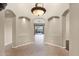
x,y
24,9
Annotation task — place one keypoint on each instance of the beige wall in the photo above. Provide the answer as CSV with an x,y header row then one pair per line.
x,y
65,27
55,31
74,29
8,31
1,29
23,32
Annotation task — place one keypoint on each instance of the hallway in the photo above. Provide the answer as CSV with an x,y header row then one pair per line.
x,y
34,29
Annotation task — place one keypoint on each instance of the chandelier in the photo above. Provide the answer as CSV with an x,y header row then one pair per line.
x,y
38,10
2,6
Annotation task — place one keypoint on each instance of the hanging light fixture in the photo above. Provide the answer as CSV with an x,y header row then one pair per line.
x,y
2,6
38,10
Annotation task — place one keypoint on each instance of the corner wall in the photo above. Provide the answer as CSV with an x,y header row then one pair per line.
x,y
74,29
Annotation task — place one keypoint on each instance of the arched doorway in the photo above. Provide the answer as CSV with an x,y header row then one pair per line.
x,y
9,27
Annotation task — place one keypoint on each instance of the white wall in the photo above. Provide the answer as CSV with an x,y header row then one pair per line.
x,y
55,31
64,31
74,29
61,8
8,31
65,27
23,32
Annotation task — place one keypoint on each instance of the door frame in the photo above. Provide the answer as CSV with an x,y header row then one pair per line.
x,y
39,25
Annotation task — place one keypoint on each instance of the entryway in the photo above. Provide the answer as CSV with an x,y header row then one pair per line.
x,y
39,33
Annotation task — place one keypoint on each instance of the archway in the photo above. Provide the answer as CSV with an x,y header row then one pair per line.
x,y
9,26
39,25
65,29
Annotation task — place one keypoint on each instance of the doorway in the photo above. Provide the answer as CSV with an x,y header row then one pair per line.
x,y
39,33
8,27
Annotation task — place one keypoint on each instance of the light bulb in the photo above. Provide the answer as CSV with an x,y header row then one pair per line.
x,y
38,12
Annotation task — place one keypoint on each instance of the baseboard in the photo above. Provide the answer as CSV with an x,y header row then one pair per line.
x,y
64,47
22,45
54,45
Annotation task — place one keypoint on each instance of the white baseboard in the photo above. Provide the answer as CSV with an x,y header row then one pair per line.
x,y
54,45
22,45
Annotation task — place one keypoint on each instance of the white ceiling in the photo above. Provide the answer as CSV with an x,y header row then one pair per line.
x,y
24,9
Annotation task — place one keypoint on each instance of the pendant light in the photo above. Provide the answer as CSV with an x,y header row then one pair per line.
x,y
2,6
38,10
